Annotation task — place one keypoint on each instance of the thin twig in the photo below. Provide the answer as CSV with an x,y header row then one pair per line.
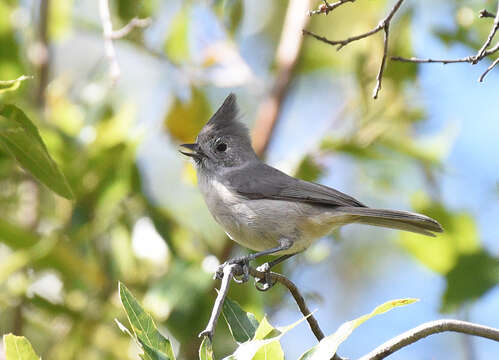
x,y
430,328
134,23
326,8
300,301
228,274
384,25
486,14
492,33
482,53
468,59
480,79
109,35
379,77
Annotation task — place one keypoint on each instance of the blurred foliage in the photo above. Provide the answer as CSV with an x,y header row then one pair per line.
x,y
18,348
79,212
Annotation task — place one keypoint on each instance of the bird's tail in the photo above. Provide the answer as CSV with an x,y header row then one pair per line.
x,y
393,219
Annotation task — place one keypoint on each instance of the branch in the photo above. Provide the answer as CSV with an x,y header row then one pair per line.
x,y
43,54
384,25
486,14
228,273
326,8
481,52
110,35
287,54
134,23
473,59
231,270
430,328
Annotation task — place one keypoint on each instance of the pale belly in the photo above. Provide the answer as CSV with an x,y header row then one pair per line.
x,y
260,224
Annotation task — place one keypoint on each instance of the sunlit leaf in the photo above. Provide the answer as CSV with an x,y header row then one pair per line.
x,y
11,85
21,258
327,347
248,349
206,350
272,350
471,277
177,44
440,254
144,327
309,169
242,325
186,118
18,348
20,138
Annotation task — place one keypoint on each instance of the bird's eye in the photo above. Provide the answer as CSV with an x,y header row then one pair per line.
x,y
221,147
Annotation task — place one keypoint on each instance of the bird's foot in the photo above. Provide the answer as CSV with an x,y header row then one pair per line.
x,y
242,261
265,283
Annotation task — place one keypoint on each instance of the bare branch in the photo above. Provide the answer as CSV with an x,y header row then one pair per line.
x,y
109,35
480,79
228,274
473,59
231,270
492,33
486,14
468,59
326,8
290,45
300,301
430,328
384,25
379,77
134,23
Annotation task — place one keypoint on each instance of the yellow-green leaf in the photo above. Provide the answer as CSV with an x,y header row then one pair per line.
x,y
155,345
327,347
18,348
21,139
11,85
186,118
206,350
249,349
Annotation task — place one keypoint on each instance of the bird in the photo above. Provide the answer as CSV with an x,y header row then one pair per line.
x,y
268,211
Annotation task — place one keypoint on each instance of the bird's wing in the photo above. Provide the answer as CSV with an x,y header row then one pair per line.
x,y
260,181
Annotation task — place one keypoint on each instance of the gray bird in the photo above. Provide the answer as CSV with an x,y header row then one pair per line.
x,y
264,209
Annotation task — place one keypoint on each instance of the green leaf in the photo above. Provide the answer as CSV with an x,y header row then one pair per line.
x,y
441,253
177,43
144,328
186,118
206,350
327,347
20,138
250,349
18,348
152,353
472,276
309,169
11,85
242,325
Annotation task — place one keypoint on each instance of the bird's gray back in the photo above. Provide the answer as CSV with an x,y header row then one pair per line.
x,y
260,223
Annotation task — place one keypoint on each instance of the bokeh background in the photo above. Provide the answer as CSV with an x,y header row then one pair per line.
x,y
429,143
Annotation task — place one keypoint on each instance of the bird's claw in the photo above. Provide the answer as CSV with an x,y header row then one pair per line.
x,y
266,282
243,262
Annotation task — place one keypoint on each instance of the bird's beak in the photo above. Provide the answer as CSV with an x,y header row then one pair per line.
x,y
194,150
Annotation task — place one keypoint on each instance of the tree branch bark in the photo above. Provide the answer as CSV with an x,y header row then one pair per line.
x,y
384,25
430,328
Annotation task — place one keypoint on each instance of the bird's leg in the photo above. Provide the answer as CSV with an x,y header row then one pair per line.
x,y
284,244
265,268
